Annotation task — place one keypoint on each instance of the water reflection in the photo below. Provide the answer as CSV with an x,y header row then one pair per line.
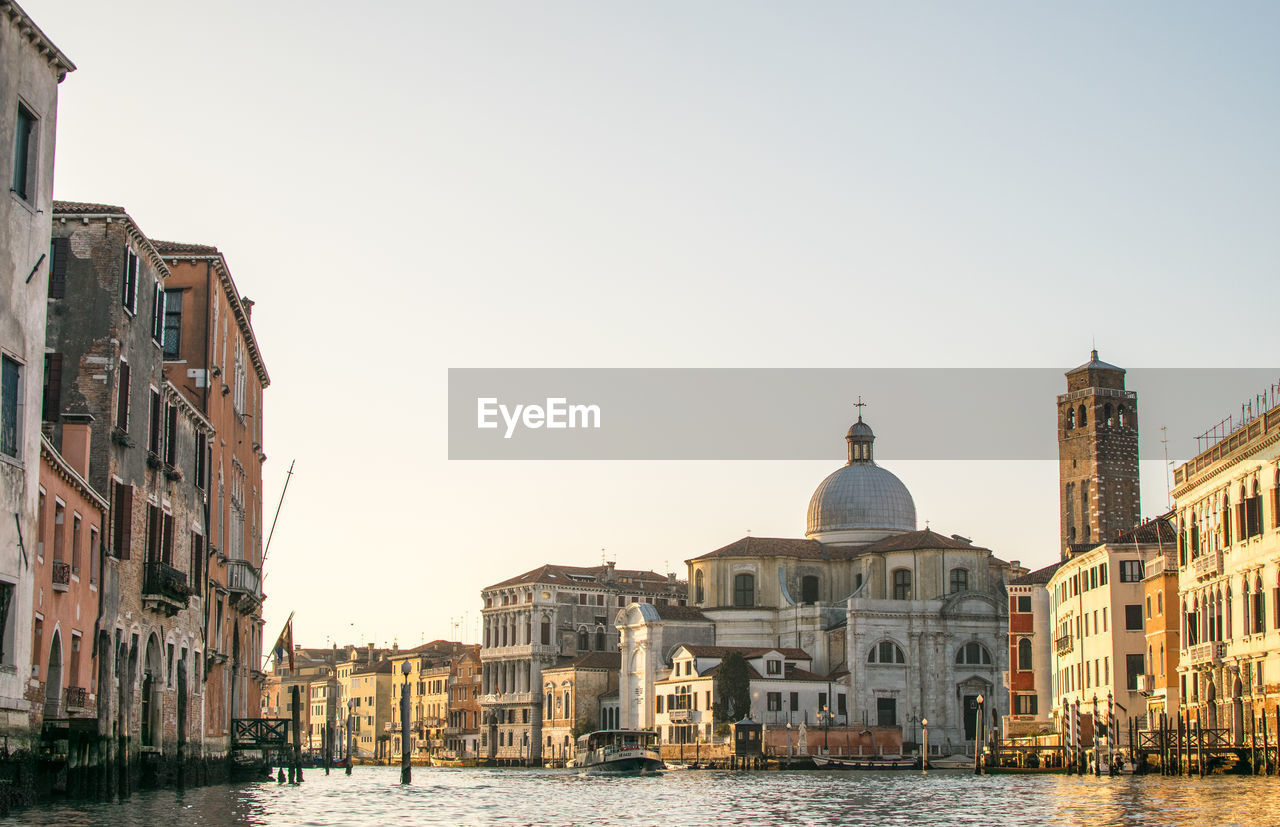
x,y
373,795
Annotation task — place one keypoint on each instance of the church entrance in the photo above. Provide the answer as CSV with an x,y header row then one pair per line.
x,y
970,717
886,712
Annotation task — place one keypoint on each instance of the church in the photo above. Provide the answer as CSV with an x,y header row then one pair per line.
x,y
905,625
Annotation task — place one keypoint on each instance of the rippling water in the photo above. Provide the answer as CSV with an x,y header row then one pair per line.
x,y
373,795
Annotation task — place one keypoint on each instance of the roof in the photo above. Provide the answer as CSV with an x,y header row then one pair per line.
x,y
86,208
382,666
673,612
590,660
606,575
1157,532
38,39
769,547
171,247
1037,577
752,674
748,652
925,538
1095,363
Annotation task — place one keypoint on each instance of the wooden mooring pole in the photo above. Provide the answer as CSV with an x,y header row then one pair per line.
x,y
297,735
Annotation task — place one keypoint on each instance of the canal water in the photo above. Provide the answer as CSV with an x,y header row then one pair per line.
x,y
373,795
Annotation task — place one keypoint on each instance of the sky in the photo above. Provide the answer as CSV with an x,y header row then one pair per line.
x,y
404,188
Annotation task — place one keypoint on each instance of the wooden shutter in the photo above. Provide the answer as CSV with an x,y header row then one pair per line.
x,y
59,251
122,398
52,386
122,528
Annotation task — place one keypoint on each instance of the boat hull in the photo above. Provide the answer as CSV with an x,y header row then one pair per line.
x,y
626,766
824,763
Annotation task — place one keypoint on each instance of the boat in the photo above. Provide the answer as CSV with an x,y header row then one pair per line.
x,y
451,761
826,762
632,751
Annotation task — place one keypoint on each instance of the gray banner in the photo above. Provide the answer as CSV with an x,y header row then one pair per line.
x,y
802,414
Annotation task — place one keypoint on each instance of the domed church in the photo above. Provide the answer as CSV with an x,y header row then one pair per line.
x,y
905,624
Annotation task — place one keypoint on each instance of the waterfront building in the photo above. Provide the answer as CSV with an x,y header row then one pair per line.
x,y
1227,508
370,690
67,566
571,693
1029,678
428,686
1097,455
1096,599
1161,620
31,67
648,634
910,623
462,730
532,620
104,360
211,354
311,668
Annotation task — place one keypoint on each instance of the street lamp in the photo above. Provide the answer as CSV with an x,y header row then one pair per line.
x,y
977,745
405,773
826,730
924,727
351,708
788,741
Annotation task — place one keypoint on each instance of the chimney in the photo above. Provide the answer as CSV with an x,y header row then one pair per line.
x,y
76,433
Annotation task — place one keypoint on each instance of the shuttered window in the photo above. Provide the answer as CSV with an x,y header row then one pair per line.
x,y
122,520
59,250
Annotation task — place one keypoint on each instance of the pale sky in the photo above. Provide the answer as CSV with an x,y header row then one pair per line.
x,y
407,187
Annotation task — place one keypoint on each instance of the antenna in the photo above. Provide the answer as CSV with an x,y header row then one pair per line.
x,y
1168,491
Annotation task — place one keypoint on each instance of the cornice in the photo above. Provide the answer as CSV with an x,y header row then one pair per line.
x,y
69,474
32,34
219,263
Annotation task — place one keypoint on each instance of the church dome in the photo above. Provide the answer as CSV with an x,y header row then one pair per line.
x,y
861,502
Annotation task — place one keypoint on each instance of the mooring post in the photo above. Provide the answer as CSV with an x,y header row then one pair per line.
x,y
297,734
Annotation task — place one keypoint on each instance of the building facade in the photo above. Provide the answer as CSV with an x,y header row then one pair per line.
x,y
1161,619
31,67
1227,512
1030,670
462,730
571,695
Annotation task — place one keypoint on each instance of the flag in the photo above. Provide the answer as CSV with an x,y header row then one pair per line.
x,y
284,643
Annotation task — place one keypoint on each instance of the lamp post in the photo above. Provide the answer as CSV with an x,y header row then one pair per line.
x,y
405,773
351,707
788,741
826,731
1097,746
977,744
924,758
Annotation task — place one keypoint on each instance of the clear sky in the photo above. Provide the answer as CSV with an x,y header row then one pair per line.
x,y
408,187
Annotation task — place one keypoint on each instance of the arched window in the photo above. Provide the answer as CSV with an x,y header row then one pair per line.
x,y
583,643
1106,412
699,591
1161,658
1124,416
1024,654
886,651
973,653
1071,418
744,590
809,589
1082,416
959,580
902,584
600,639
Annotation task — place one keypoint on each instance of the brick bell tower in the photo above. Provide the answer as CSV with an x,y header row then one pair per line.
x,y
1097,455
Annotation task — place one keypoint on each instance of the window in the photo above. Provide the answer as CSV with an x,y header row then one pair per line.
x,y
901,584
197,561
886,711
973,653
25,141
171,435
1102,573
52,387
129,288
959,580
172,332
744,590
774,701
773,667
1024,654
1024,603
10,406
166,539
93,554
886,651
699,592
1130,571
122,397
809,589
1133,668
583,643
122,520
1082,416
200,460
1148,602
1133,617
1025,705
153,534
157,313
154,436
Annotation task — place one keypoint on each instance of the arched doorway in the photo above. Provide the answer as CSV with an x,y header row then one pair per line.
x,y
1211,704
152,680
1237,712
53,679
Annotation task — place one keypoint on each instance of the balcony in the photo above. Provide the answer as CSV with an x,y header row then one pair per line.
x,y
1207,565
164,588
61,576
680,716
1158,565
1210,653
509,698
1146,685
244,584
1065,644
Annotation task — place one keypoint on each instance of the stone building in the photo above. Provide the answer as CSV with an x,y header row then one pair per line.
x,y
571,693
1097,455
462,730
370,695
105,329
532,620
1096,600
31,67
68,569
1227,508
211,354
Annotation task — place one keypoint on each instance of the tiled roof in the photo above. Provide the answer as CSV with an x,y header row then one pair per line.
x,y
752,674
169,248
769,547
748,652
591,660
923,539
1155,532
1037,577
382,666
86,208
670,612
572,575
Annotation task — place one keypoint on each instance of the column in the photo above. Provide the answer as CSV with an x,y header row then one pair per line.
x,y
625,709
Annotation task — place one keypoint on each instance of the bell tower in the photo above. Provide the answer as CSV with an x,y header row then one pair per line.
x,y
1097,455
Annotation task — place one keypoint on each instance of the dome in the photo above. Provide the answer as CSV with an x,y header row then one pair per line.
x,y
861,502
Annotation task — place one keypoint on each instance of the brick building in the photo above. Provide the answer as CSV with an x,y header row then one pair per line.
x,y
211,354
1029,679
31,67
104,360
